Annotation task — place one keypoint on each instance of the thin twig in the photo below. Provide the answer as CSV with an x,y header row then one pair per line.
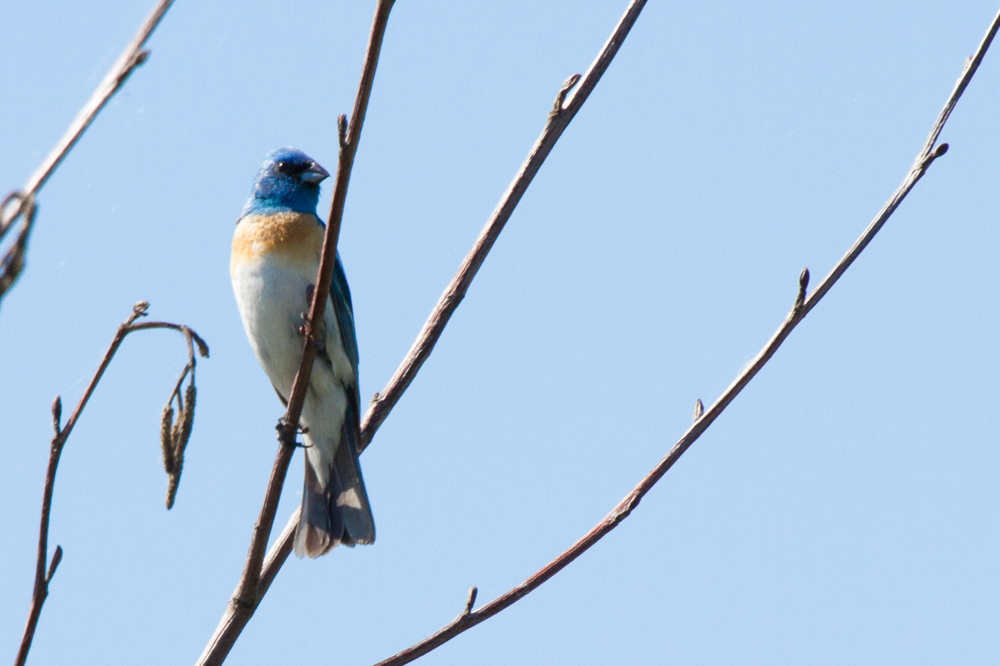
x,y
62,433
559,117
23,202
799,310
250,591
174,437
131,57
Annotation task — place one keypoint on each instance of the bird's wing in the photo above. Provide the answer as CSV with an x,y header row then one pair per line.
x,y
343,314
358,523
340,294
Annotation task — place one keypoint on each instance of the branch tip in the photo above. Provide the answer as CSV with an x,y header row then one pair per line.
x,y
471,601
800,299
202,345
140,309
57,414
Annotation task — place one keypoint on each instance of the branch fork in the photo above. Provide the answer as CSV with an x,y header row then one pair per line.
x,y
469,602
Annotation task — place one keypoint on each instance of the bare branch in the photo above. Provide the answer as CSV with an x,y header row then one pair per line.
x,y
41,589
279,552
249,592
43,578
18,204
924,159
562,113
560,116
704,420
131,57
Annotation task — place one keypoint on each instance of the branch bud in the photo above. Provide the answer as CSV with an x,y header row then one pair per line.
x,y
57,414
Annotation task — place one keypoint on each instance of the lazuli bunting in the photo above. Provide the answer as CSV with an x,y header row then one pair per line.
x,y
275,258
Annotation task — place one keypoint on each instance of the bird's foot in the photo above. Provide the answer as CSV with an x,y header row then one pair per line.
x,y
288,435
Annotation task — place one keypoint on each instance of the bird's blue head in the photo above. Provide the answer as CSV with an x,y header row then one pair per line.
x,y
288,181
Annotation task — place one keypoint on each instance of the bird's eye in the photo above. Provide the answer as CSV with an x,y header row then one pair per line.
x,y
290,168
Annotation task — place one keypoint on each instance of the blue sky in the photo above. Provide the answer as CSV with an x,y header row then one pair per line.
x,y
843,510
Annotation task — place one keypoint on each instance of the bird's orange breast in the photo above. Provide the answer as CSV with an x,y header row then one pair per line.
x,y
296,238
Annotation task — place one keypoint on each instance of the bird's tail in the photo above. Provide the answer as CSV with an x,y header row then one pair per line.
x,y
338,513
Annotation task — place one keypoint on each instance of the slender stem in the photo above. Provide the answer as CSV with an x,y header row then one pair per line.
x,y
41,589
123,331
560,116
703,420
250,590
131,57
920,164
279,552
62,433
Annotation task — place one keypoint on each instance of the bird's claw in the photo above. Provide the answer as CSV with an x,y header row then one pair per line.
x,y
289,435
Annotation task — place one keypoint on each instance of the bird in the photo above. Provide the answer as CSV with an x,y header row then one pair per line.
x,y
275,258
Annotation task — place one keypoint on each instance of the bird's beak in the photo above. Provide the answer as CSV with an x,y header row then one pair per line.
x,y
314,174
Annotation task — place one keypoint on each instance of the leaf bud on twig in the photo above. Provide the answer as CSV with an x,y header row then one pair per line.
x,y
57,413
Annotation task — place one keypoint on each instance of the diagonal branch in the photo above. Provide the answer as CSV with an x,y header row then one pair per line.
x,y
703,419
563,111
559,118
133,56
22,203
916,172
249,592
62,433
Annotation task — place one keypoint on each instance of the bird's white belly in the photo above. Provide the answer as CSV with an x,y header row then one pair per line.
x,y
272,301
